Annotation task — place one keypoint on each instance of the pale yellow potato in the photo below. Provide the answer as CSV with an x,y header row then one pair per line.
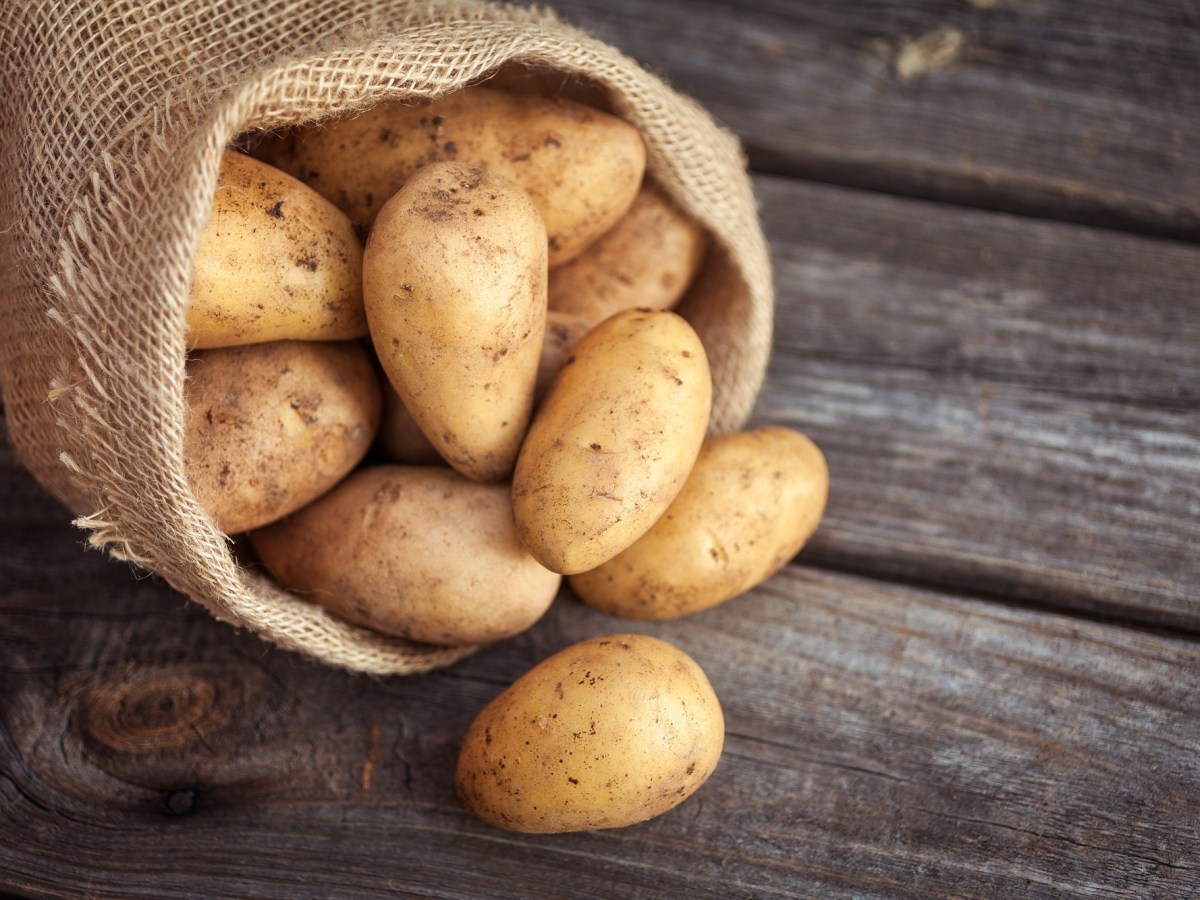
x,y
271,427
752,501
647,259
581,167
613,441
454,281
607,733
276,261
412,551
401,438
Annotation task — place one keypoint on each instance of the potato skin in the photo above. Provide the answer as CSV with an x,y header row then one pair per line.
x,y
752,501
276,261
613,441
271,427
581,167
412,551
647,259
401,439
606,733
454,280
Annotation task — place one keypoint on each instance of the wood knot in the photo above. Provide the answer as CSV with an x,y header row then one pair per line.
x,y
153,711
928,53
180,803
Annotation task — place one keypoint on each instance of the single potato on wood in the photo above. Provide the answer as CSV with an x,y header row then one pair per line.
x,y
454,279
752,501
614,440
271,427
647,259
417,552
276,261
581,167
606,733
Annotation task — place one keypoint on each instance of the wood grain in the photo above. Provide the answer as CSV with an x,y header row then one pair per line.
x,y
1008,407
877,282
1010,411
1079,111
882,742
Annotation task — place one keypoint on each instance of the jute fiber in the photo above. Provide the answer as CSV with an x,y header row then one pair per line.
x,y
113,117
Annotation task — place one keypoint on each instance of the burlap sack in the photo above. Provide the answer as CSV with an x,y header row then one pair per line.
x,y
113,116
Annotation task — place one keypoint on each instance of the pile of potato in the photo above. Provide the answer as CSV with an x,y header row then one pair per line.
x,y
502,354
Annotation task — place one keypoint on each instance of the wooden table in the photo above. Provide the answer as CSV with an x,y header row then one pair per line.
x,y
981,678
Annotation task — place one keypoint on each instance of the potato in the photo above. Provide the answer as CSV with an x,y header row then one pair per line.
x,y
752,501
276,261
613,441
647,259
412,551
581,167
271,427
400,437
454,281
609,732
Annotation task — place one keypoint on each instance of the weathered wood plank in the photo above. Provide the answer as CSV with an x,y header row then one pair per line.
x,y
1008,406
882,742
879,282
998,490
1077,110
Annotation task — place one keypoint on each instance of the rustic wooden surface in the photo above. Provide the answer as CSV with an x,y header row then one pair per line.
x,y
1010,407
882,741
1078,110
981,677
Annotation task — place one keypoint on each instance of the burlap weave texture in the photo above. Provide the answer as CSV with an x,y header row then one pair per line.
x,y
113,117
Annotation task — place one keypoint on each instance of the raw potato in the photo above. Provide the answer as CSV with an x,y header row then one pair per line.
x,y
401,438
752,501
613,441
581,167
454,280
276,261
271,427
647,259
417,552
609,732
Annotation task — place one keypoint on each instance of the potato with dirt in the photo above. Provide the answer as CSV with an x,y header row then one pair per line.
x,y
270,427
648,259
581,167
454,281
753,499
276,261
606,733
614,440
417,552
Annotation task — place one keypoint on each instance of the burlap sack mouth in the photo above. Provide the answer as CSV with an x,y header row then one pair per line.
x,y
113,129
